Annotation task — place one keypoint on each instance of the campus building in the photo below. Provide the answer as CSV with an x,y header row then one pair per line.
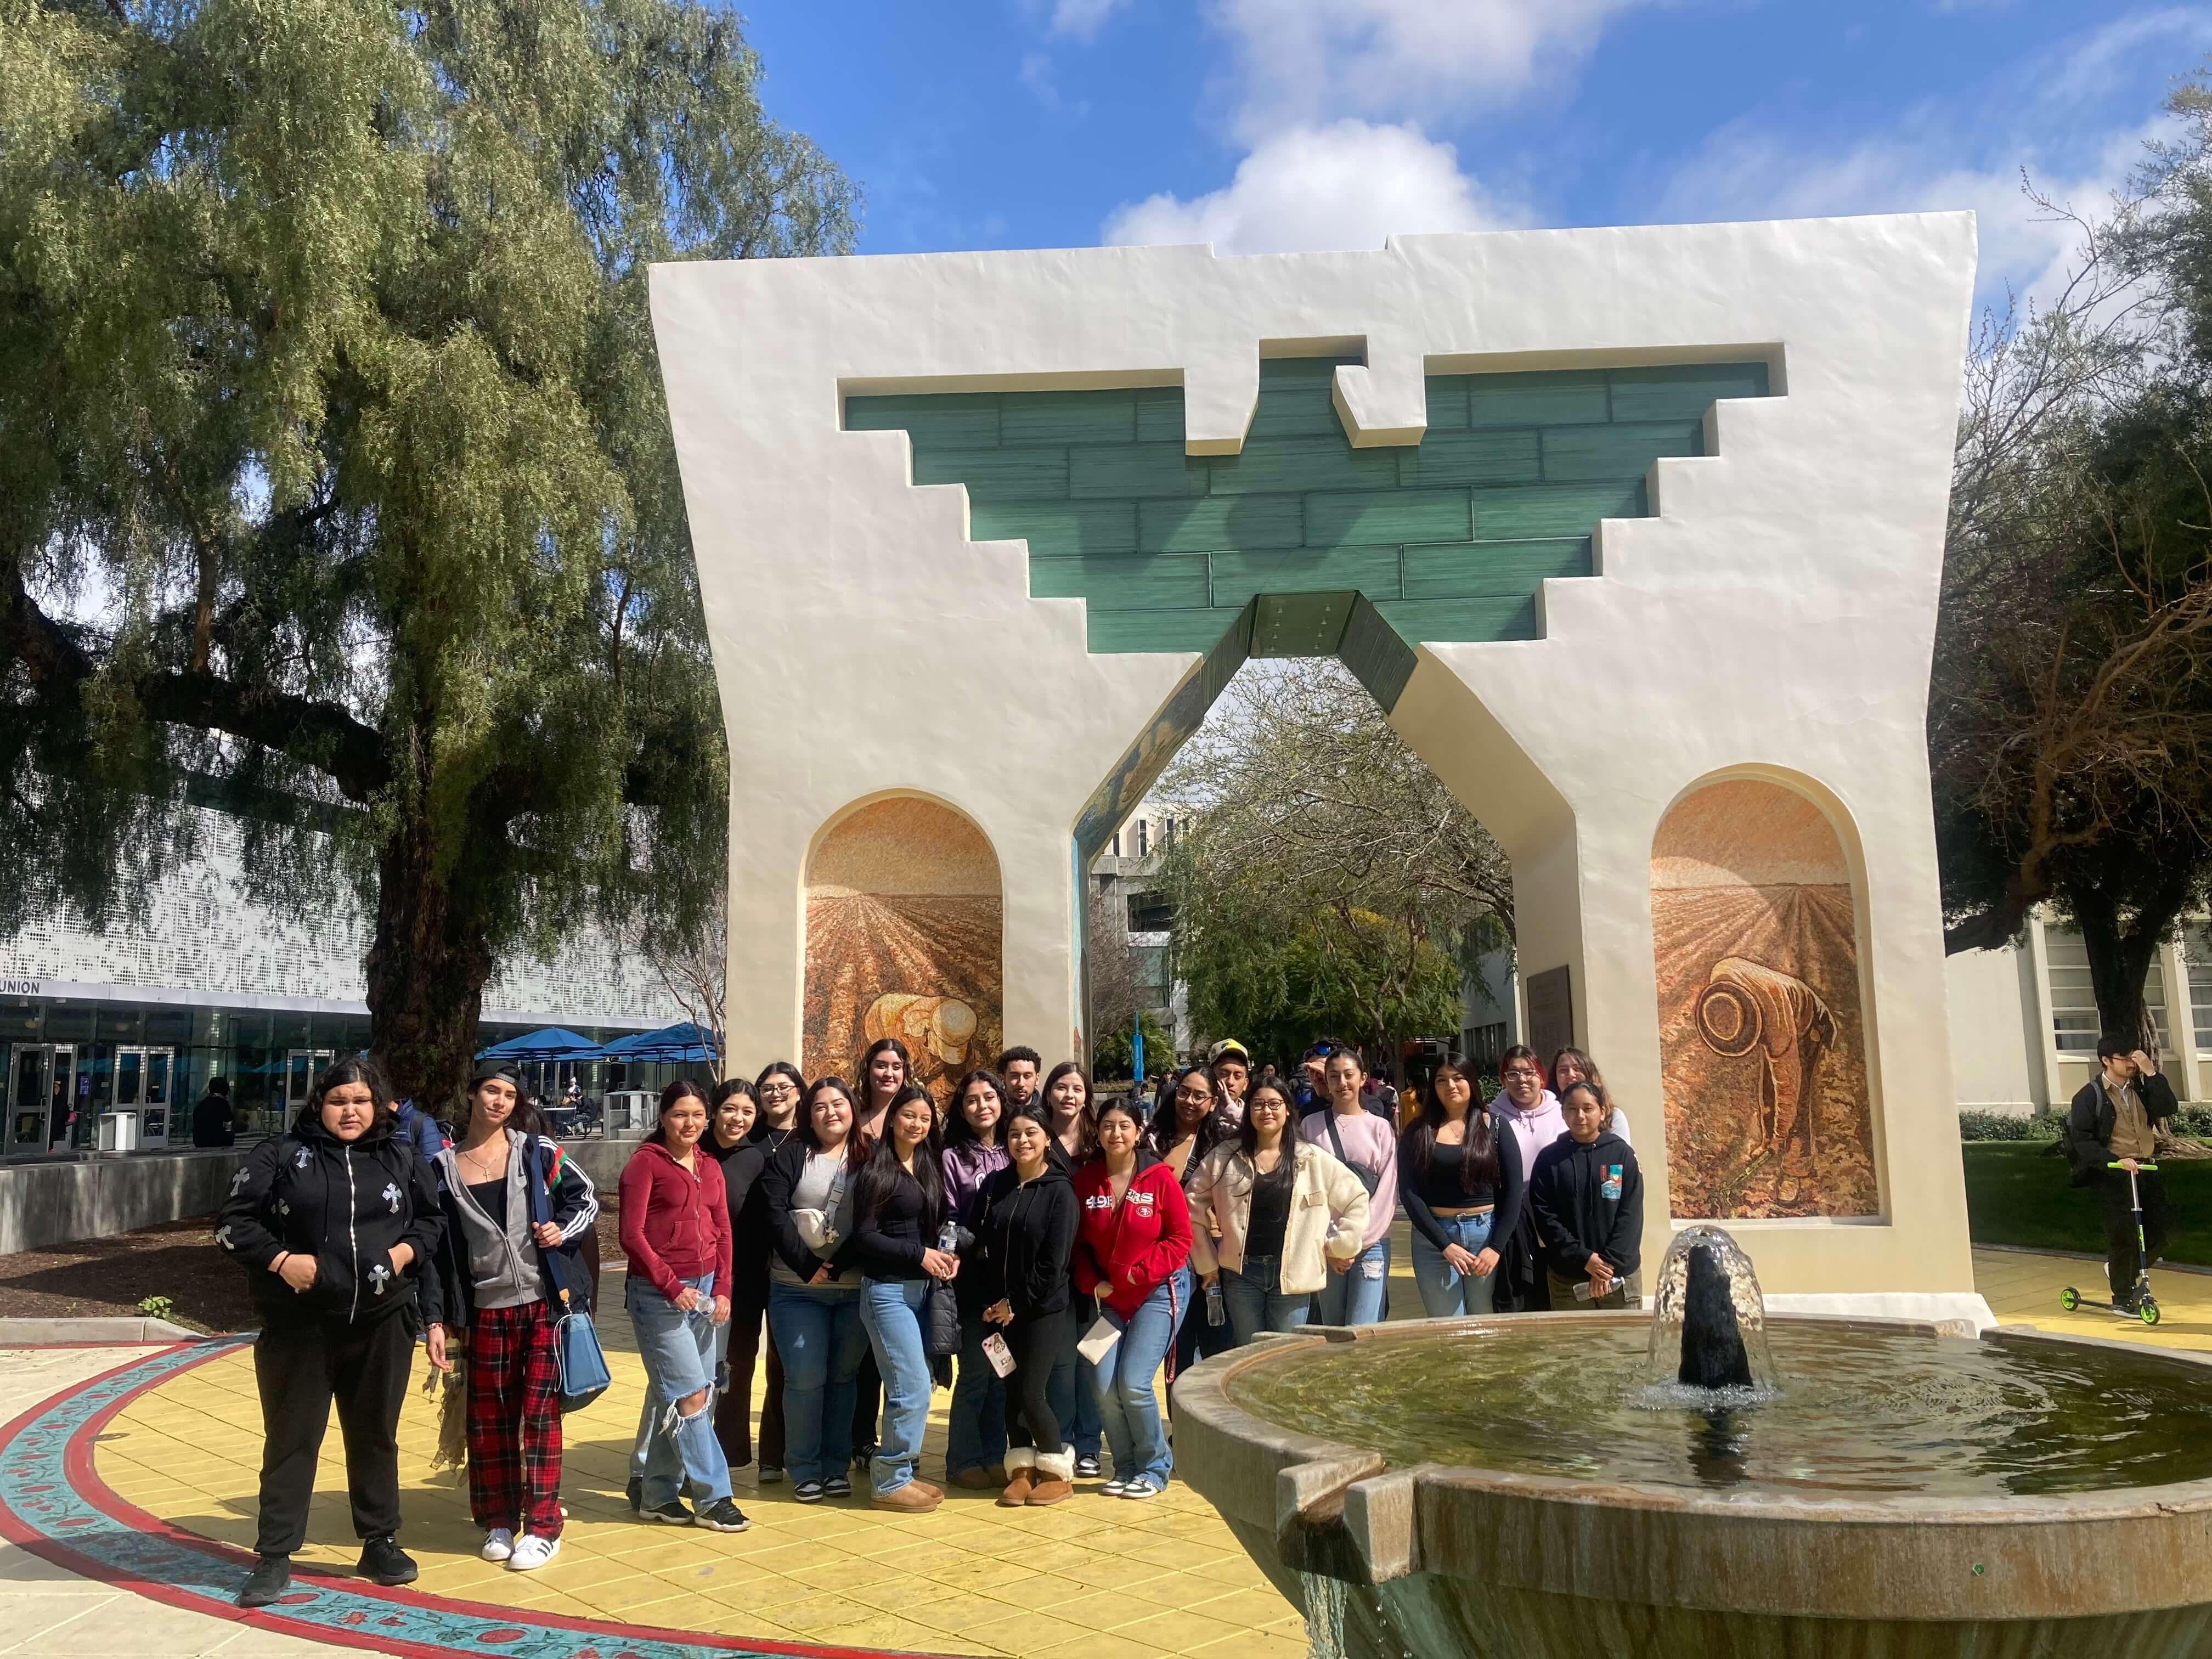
x,y
108,1036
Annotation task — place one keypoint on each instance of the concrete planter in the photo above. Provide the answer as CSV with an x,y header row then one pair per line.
x,y
1453,1561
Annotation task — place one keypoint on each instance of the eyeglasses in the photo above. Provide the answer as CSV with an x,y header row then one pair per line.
x,y
1523,1072
778,1088
1196,1096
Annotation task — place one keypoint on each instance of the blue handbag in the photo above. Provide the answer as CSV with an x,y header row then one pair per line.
x,y
584,1374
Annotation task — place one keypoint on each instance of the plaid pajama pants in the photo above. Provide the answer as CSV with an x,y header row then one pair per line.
x,y
515,1420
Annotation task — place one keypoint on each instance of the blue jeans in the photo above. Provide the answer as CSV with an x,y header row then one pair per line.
x,y
1354,1297
818,1333
1073,1390
678,1352
975,1428
892,1311
1254,1304
1128,1409
1445,1293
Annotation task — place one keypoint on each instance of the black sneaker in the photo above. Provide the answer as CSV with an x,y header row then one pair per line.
x,y
635,1493
671,1514
383,1562
270,1578
863,1455
837,1486
770,1474
723,1516
1086,1465
808,1492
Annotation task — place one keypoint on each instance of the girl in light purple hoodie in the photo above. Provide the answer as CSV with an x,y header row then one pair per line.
x,y
1529,1112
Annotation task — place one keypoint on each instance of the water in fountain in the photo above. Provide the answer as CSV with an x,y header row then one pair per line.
x,y
1708,1325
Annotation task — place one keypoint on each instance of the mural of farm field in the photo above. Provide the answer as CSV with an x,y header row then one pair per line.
x,y
1761,1039
903,923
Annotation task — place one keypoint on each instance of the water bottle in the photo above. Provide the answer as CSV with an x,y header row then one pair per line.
x,y
948,1236
1215,1313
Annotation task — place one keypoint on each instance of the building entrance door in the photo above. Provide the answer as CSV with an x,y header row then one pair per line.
x,y
143,1082
40,1094
302,1067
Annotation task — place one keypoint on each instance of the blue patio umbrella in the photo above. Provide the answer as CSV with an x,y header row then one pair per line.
x,y
554,1042
681,1044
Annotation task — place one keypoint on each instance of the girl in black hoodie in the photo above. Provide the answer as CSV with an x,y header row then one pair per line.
x,y
1025,1222
336,1219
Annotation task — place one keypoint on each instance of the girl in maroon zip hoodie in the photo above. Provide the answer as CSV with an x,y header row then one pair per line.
x,y
1131,1252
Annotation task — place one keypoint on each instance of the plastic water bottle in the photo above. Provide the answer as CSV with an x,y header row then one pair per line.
x,y
1215,1313
948,1236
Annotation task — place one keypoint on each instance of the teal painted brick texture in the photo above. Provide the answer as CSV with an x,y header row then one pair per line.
x,y
1378,549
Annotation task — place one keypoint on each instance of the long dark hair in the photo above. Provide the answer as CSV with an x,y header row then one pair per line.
x,y
1247,1136
805,1120
1160,1132
683,1088
883,1045
958,1132
354,1069
1478,1164
1088,1119
881,1175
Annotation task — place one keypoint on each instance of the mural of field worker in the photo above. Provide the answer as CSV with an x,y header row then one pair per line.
x,y
938,1032
1748,1009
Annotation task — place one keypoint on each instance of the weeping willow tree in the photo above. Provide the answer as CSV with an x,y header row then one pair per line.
x,y
337,473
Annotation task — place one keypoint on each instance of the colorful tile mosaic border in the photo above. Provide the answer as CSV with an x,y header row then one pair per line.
x,y
54,1503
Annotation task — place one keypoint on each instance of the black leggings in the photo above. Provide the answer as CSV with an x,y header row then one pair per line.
x,y
1036,1343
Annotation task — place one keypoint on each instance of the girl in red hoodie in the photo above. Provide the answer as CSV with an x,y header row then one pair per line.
x,y
676,1232
1131,1253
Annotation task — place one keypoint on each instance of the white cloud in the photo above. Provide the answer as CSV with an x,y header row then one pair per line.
x,y
1082,19
1348,184
1303,62
2071,117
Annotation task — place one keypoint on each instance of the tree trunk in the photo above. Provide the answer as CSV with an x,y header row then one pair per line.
x,y
426,972
2120,955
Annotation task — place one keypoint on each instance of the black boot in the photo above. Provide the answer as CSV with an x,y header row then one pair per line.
x,y
270,1578
383,1562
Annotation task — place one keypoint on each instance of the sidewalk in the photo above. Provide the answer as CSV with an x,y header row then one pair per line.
x,y
1095,1576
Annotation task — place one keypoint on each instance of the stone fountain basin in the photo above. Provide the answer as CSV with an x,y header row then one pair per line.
x,y
1459,1561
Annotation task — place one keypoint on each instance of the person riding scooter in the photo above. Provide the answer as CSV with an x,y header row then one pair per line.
x,y
2111,1122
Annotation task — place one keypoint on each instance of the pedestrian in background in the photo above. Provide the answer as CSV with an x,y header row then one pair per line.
x,y
2114,1118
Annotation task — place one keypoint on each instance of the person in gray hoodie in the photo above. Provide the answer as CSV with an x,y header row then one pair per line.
x,y
494,1293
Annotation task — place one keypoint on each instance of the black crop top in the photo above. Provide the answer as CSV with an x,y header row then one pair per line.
x,y
1439,1185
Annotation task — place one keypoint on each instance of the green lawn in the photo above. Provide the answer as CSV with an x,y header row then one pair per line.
x,y
2017,1194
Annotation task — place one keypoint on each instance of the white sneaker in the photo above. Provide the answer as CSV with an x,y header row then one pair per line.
x,y
532,1551
498,1546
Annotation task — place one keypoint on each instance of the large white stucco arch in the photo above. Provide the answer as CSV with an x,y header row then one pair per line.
x,y
1777,610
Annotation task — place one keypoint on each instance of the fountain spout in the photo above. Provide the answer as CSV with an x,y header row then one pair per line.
x,y
1713,1355
1708,1318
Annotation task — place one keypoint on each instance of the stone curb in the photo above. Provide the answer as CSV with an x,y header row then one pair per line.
x,y
79,1333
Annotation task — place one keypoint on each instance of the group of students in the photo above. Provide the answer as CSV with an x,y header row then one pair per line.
x,y
1059,1252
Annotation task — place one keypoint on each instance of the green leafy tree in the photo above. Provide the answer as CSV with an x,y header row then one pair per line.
x,y
2070,714
338,475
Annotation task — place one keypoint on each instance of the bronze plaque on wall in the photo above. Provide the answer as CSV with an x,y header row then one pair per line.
x,y
1551,1012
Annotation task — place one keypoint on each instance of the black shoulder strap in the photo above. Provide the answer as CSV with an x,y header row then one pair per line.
x,y
1336,1140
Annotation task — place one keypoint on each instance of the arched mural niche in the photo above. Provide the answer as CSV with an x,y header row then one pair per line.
x,y
905,917
1762,1032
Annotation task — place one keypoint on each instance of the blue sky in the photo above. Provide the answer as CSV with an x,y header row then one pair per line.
x,y
1272,125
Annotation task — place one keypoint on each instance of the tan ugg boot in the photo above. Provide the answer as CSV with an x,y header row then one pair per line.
x,y
1055,1478
912,1499
1021,1474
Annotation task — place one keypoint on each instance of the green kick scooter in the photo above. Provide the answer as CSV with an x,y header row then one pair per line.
x,y
2146,1305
